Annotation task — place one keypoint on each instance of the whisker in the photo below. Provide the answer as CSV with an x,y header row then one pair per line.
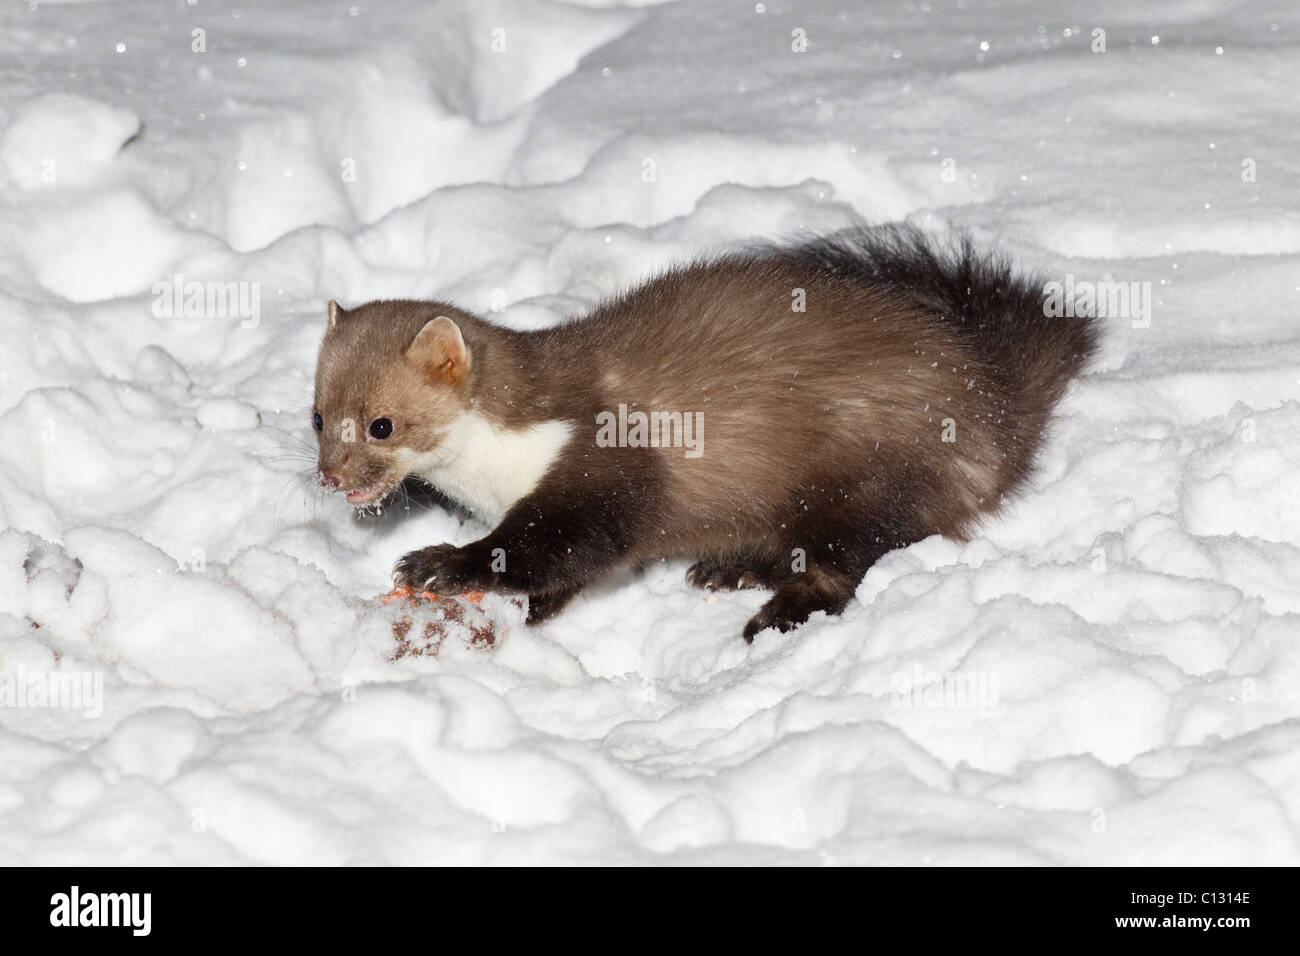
x,y
302,483
294,437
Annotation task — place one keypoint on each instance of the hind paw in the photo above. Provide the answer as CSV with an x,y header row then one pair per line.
x,y
795,602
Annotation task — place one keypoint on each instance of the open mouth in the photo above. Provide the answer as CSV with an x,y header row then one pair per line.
x,y
364,496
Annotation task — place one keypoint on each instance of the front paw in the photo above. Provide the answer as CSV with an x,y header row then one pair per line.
x,y
442,568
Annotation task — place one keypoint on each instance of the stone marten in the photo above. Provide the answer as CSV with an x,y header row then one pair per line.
x,y
781,416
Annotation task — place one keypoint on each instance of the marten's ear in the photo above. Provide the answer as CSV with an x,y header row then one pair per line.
x,y
336,312
439,350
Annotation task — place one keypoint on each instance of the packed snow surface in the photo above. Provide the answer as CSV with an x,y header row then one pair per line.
x,y
193,668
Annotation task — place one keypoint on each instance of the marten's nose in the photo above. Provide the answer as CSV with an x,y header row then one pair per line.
x,y
329,479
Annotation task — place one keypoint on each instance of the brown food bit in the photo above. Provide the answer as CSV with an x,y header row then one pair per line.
x,y
400,630
431,635
434,638
483,636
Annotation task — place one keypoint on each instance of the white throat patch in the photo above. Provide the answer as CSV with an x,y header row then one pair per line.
x,y
487,467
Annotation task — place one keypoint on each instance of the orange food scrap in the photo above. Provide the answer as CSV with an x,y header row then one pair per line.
x,y
406,593
397,594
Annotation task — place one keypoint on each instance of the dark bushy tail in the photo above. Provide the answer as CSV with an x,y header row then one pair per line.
x,y
997,309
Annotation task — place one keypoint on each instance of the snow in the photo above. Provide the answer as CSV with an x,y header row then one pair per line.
x,y
63,138
1106,674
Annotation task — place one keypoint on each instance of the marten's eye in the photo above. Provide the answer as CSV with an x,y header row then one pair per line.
x,y
381,428
317,422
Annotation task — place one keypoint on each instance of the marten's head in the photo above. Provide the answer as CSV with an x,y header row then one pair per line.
x,y
390,379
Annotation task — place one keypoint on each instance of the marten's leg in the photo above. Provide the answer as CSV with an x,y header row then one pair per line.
x,y
554,540
545,605
839,547
799,598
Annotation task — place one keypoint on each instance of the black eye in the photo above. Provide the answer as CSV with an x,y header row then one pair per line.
x,y
317,422
381,428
